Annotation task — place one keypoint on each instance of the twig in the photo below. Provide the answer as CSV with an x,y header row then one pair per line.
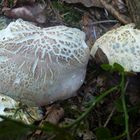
x,y
109,117
105,21
138,130
122,18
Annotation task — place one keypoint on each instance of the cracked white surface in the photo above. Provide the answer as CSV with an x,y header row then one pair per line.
x,y
121,45
41,65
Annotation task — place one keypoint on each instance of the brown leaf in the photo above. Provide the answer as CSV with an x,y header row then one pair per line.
x,y
35,13
54,114
4,3
87,3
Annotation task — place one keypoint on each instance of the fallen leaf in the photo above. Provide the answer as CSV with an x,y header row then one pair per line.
x,y
34,13
54,114
4,3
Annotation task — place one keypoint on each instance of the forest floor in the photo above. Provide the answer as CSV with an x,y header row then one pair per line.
x,y
106,119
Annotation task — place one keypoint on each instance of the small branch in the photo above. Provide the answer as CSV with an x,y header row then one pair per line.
x,y
122,18
109,117
136,132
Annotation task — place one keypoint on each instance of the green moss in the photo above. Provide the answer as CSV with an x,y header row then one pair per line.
x,y
69,14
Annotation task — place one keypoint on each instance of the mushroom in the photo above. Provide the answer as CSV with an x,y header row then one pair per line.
x,y
41,65
121,45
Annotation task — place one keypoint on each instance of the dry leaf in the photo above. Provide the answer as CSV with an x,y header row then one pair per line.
x,y
4,3
34,13
54,114
87,3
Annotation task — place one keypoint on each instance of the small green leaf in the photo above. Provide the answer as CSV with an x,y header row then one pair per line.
x,y
117,67
102,133
106,67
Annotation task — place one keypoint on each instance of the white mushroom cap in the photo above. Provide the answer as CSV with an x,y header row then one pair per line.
x,y
122,46
41,65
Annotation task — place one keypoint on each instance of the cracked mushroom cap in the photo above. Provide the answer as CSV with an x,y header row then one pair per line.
x,y
121,45
41,65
